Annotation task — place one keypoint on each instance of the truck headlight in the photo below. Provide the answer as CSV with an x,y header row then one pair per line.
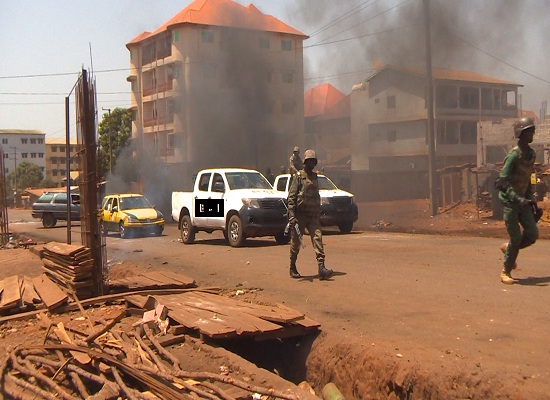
x,y
325,201
252,203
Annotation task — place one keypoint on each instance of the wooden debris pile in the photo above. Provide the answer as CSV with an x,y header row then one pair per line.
x,y
70,266
18,293
106,359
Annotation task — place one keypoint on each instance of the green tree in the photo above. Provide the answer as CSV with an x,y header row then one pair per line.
x,y
115,130
47,183
26,175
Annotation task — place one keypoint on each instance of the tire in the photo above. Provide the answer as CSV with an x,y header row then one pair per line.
x,y
345,227
235,233
187,230
158,231
48,220
281,238
124,233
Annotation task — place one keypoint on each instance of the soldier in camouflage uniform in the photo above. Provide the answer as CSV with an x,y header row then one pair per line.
x,y
304,208
517,197
295,162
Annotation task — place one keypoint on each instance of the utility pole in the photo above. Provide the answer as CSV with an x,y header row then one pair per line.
x,y
110,143
430,112
15,175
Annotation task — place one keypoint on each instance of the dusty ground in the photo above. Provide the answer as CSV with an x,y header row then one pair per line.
x,y
342,356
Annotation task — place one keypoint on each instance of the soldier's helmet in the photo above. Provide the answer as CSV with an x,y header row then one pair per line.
x,y
523,124
310,154
296,149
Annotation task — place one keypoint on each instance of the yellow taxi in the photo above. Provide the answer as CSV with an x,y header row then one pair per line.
x,y
128,214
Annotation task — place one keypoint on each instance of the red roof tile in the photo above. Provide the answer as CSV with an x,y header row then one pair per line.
x,y
223,13
319,99
342,109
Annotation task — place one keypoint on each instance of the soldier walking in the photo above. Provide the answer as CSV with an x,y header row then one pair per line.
x,y
304,208
517,197
295,162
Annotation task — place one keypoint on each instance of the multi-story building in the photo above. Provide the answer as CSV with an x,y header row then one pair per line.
x,y
389,142
22,145
219,84
56,158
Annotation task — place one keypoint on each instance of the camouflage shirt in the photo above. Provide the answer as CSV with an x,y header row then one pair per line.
x,y
295,164
517,169
303,197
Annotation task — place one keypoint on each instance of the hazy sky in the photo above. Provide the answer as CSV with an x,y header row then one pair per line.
x,y
44,45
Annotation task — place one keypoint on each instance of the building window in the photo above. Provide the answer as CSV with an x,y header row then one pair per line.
x,y
207,37
487,99
392,136
24,155
264,43
391,102
176,36
54,172
62,172
286,45
446,96
172,141
24,141
447,132
468,132
53,160
62,149
40,155
288,77
54,149
40,141
288,107
33,155
33,141
469,98
4,141
6,155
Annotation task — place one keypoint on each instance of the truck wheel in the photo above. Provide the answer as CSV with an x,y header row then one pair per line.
x,y
48,220
124,233
345,227
281,238
187,230
235,235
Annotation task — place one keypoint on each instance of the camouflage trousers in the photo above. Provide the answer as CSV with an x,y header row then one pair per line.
x,y
314,229
514,216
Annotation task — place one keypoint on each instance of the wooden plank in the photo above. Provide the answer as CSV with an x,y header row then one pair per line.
x,y
49,292
12,293
28,294
169,278
63,248
306,323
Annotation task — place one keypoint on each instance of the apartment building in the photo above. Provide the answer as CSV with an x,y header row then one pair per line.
x,y
219,84
22,145
56,158
389,141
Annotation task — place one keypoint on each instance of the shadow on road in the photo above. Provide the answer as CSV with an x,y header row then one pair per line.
x,y
534,281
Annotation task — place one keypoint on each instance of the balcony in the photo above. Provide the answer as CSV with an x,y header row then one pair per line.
x,y
163,87
167,119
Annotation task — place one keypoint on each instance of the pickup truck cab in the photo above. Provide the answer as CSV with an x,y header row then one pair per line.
x,y
337,206
240,202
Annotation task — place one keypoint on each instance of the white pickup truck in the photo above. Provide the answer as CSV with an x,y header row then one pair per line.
x,y
338,207
240,202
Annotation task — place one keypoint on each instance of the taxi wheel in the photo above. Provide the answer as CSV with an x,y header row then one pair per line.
x,y
124,233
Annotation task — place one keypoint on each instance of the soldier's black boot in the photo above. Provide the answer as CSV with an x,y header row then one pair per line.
x,y
324,273
294,271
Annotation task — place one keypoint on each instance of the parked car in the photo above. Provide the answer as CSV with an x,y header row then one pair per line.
x,y
128,214
338,207
52,206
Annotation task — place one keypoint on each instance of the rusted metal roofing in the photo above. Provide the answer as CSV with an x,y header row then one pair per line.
x,y
319,99
223,13
447,75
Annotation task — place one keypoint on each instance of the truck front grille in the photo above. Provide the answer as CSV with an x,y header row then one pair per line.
x,y
272,204
342,201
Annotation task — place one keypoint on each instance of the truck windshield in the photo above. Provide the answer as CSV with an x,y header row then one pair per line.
x,y
325,183
247,180
131,203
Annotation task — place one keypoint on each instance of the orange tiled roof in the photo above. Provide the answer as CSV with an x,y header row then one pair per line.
x,y
223,13
319,99
342,109
448,74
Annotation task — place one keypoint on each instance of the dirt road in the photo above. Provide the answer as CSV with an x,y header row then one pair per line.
x,y
419,316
